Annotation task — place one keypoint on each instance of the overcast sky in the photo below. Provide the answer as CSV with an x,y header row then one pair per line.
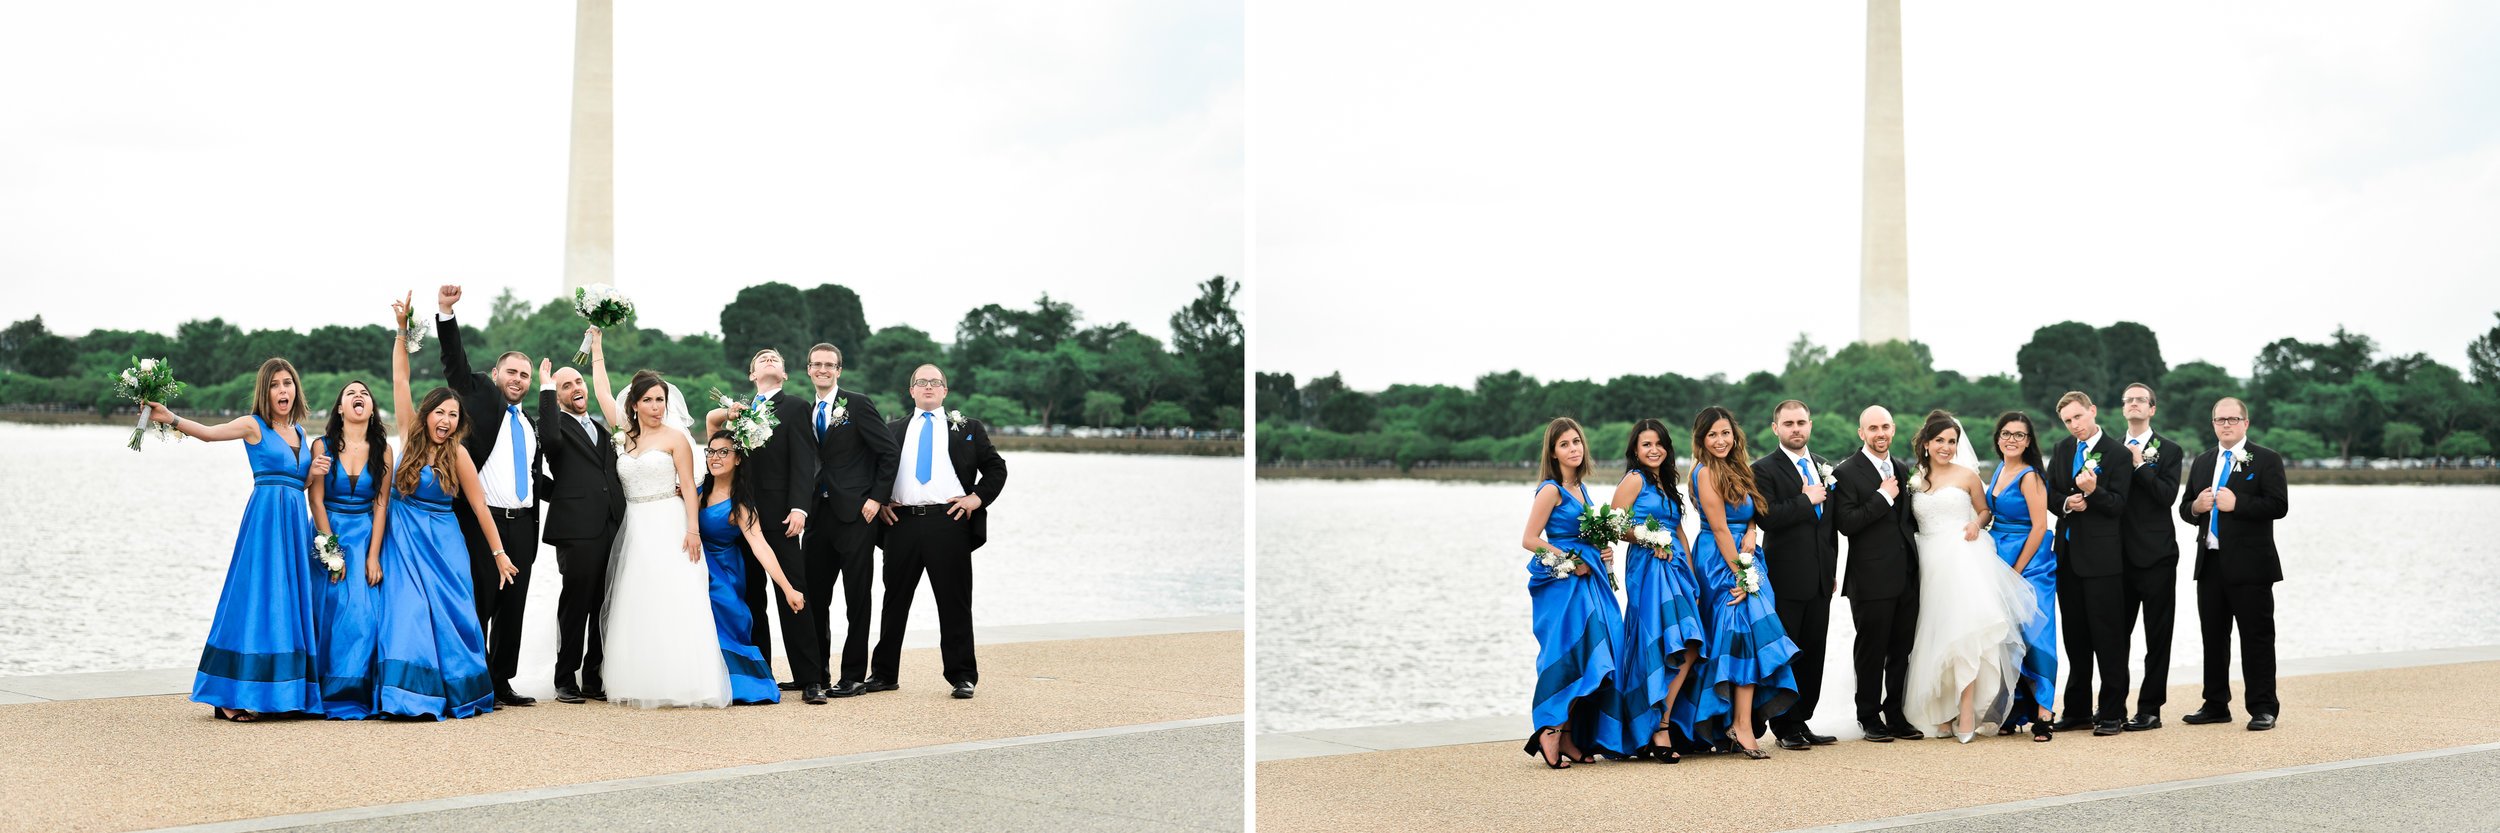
x,y
1495,185
297,163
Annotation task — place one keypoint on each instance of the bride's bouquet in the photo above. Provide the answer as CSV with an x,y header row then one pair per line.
x,y
1601,525
326,553
1656,536
415,331
750,428
145,381
603,307
1747,574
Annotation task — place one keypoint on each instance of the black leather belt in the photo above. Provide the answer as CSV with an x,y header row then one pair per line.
x,y
919,511
530,514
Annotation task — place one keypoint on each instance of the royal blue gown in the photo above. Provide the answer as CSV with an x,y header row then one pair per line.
x,y
724,551
1577,627
350,605
1747,644
2010,525
432,652
262,650
1661,618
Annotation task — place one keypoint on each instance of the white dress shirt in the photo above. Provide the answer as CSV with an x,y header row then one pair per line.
x,y
825,405
2222,479
943,485
1882,467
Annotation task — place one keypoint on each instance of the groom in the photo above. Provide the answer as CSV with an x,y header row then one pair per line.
x,y
1882,583
1802,548
2091,586
503,445
584,505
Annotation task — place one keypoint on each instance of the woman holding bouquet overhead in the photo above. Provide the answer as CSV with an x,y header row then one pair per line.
x,y
349,506
1747,672
262,654
1662,631
1573,610
431,654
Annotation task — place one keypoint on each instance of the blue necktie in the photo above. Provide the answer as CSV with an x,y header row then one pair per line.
x,y
2213,519
520,462
820,421
760,399
1809,476
2080,449
928,429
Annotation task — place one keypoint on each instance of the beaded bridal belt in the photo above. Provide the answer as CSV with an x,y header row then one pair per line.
x,y
650,498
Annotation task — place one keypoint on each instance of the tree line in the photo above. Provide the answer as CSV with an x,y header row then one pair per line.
x,y
2312,400
1006,366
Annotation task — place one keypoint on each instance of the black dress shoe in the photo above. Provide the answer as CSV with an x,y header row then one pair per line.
x,y
568,694
1795,742
2260,722
814,695
2073,722
1907,733
1818,740
963,691
2108,727
599,694
2206,715
505,696
1876,732
847,688
791,686
2144,723
873,684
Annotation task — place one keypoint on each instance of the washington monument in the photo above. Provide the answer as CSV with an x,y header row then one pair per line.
x,y
1883,214
590,182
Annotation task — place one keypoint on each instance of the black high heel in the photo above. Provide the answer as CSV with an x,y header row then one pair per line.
x,y
2041,731
1537,750
239,715
1661,752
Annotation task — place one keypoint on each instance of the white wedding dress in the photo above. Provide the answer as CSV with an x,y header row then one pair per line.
x,y
1971,610
661,648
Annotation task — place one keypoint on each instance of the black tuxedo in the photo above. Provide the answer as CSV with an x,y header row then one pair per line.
x,y
2150,541
2091,592
499,610
855,462
1801,549
2235,583
924,538
1882,582
784,472
584,504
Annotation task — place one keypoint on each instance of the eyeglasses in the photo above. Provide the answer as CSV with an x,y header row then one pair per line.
x,y
715,453
928,383
824,365
2137,400
2012,435
2229,420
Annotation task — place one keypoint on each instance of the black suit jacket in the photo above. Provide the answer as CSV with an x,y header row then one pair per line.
x,y
855,460
2088,541
1803,551
785,468
584,499
2145,529
480,399
2247,555
1883,537
977,465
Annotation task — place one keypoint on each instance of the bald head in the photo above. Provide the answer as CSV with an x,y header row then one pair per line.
x,y
571,393
1875,429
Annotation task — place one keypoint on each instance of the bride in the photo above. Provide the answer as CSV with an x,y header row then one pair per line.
x,y
660,650
1968,648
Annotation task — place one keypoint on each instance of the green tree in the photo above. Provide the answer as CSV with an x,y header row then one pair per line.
x,y
2401,439
1172,415
1505,402
30,347
1279,397
2293,443
2061,357
1346,411
766,315
835,317
1136,365
2134,356
1103,408
1207,334
2464,444
885,363
1897,375
2482,355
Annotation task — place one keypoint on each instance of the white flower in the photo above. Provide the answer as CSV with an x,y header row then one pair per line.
x,y
1744,559
841,415
130,377
147,365
955,418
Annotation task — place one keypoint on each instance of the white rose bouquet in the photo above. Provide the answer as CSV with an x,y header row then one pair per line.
x,y
1559,564
1657,537
1747,573
145,381
1601,525
750,428
602,306
326,553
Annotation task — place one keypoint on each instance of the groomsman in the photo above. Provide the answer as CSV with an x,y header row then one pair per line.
x,y
785,477
584,504
2089,503
2236,494
939,516
2151,543
855,465
1803,554
503,444
1882,582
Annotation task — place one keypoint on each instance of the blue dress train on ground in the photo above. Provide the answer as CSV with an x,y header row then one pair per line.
x,y
432,656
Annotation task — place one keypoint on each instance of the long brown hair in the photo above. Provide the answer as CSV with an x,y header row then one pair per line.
x,y
1550,468
644,381
265,405
1665,477
1733,472
420,450
1938,422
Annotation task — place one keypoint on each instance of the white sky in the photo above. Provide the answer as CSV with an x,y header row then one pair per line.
x,y
1482,186
298,163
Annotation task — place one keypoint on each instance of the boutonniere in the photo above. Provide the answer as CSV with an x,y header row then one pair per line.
x,y
955,419
2092,462
1823,471
2242,464
2152,451
840,416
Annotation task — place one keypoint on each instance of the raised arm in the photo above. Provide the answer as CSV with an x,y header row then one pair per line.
x,y
401,405
475,492
599,388
456,369
239,428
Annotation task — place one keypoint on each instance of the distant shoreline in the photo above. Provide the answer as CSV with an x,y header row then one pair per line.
x,y
1070,445
1524,476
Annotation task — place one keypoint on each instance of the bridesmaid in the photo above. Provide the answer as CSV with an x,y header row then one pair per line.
x,y
432,653
1575,619
2021,508
350,502
1747,673
262,651
1662,633
728,524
